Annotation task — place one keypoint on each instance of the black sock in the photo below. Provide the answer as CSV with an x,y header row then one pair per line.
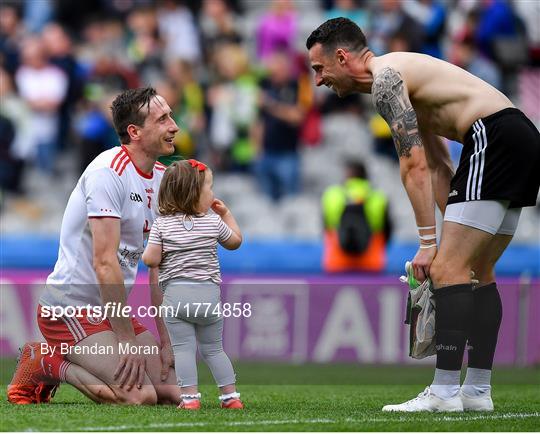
x,y
453,316
485,326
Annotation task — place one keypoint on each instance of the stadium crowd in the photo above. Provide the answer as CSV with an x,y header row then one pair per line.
x,y
235,74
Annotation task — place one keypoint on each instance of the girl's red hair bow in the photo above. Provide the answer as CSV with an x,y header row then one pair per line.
x,y
197,164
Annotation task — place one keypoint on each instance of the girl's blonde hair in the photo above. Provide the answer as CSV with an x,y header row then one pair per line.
x,y
180,188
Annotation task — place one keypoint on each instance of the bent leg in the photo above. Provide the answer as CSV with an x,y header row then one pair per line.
x,y
102,367
459,249
453,295
487,319
168,391
90,385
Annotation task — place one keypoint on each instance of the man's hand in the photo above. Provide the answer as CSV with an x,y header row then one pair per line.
x,y
131,368
167,360
422,263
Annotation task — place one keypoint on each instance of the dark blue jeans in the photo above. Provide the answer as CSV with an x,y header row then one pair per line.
x,y
279,174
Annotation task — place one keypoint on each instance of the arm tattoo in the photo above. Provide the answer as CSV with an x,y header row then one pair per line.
x,y
394,106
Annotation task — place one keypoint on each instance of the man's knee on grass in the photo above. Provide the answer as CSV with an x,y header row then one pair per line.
x,y
144,396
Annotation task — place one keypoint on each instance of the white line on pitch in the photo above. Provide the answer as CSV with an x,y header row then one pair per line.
x,y
428,417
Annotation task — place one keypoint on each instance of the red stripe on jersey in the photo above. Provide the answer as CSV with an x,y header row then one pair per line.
x,y
161,169
124,166
120,162
116,157
139,171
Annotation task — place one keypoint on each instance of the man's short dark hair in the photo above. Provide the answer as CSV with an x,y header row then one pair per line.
x,y
127,109
337,33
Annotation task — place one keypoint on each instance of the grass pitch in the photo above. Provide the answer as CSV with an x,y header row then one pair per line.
x,y
282,397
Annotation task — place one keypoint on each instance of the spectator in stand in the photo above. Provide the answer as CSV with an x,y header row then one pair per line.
x,y
59,47
37,14
103,37
389,19
467,56
233,110
15,135
350,9
11,33
144,47
44,87
281,116
496,19
190,106
94,127
357,224
430,15
529,13
277,29
219,26
178,30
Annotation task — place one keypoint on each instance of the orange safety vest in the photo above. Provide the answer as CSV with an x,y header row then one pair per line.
x,y
334,200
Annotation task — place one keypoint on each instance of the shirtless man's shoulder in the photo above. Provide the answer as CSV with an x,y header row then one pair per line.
x,y
443,95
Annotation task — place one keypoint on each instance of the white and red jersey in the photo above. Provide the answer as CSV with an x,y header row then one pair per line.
x,y
111,186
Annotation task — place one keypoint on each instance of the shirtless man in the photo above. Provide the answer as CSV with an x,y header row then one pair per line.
x,y
423,99
107,218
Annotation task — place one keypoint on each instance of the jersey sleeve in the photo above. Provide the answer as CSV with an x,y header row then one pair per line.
x,y
155,234
104,193
224,231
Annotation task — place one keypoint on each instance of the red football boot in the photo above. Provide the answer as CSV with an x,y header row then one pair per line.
x,y
27,385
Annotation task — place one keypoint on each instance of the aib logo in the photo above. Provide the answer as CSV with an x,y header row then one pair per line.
x,y
135,197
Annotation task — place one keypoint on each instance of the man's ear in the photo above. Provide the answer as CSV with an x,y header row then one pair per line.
x,y
133,131
342,56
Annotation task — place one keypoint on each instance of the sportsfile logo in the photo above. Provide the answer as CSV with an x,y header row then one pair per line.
x,y
97,314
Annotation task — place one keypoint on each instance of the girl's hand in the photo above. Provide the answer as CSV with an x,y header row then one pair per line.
x,y
219,207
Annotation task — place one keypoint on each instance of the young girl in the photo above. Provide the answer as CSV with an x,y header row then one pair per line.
x,y
183,243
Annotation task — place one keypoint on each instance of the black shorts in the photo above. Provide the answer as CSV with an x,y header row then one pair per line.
x,y
500,160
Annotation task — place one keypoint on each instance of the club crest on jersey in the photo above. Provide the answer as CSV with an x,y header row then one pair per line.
x,y
95,320
135,197
187,222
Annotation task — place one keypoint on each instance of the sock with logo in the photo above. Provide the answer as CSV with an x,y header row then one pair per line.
x,y
55,367
485,326
453,316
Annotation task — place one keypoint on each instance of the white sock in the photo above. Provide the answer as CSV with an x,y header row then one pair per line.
x,y
445,391
445,383
188,397
227,396
477,382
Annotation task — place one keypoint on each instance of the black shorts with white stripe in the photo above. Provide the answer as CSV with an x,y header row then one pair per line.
x,y
500,160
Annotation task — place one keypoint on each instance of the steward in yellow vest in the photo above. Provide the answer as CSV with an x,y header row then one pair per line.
x,y
355,190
